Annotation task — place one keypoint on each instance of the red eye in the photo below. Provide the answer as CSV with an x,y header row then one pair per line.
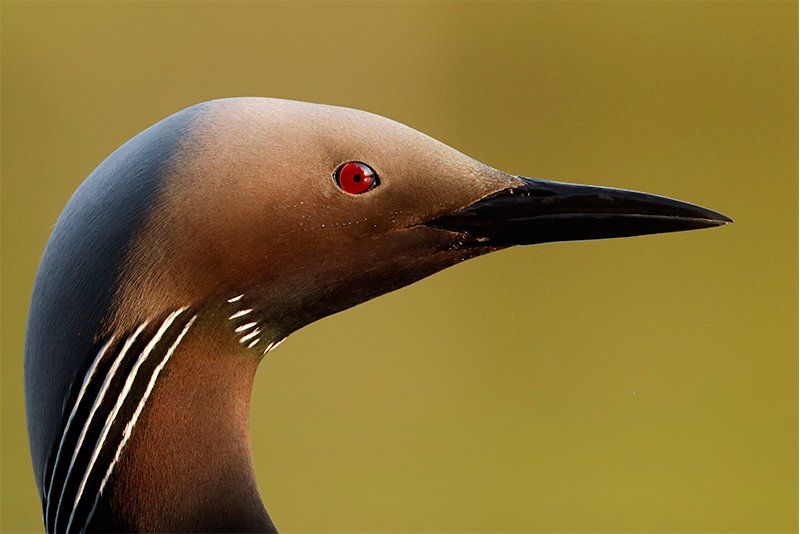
x,y
356,178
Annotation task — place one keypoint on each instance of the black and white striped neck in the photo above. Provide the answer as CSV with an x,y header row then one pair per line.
x,y
154,434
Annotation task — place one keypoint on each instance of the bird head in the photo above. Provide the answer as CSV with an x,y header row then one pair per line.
x,y
308,209
260,216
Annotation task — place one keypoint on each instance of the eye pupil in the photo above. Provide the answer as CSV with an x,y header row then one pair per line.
x,y
356,178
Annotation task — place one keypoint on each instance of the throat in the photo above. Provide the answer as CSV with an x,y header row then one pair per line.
x,y
188,466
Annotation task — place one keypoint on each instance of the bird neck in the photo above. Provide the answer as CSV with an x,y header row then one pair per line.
x,y
189,465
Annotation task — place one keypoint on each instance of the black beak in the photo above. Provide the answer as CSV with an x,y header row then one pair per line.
x,y
541,211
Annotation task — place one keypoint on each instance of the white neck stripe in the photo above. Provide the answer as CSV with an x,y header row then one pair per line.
x,y
240,313
86,379
251,335
245,326
129,427
111,416
98,399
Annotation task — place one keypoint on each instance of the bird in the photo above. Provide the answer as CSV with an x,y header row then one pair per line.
x,y
200,244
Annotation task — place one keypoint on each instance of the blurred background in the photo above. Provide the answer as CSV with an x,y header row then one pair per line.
x,y
645,384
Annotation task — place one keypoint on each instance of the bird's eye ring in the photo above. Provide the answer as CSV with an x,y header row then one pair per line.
x,y
356,178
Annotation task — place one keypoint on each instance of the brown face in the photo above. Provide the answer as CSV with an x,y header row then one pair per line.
x,y
263,199
315,208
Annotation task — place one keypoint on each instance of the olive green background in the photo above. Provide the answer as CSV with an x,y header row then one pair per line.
x,y
645,384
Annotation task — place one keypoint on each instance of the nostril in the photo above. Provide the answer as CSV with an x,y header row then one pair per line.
x,y
539,193
531,192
